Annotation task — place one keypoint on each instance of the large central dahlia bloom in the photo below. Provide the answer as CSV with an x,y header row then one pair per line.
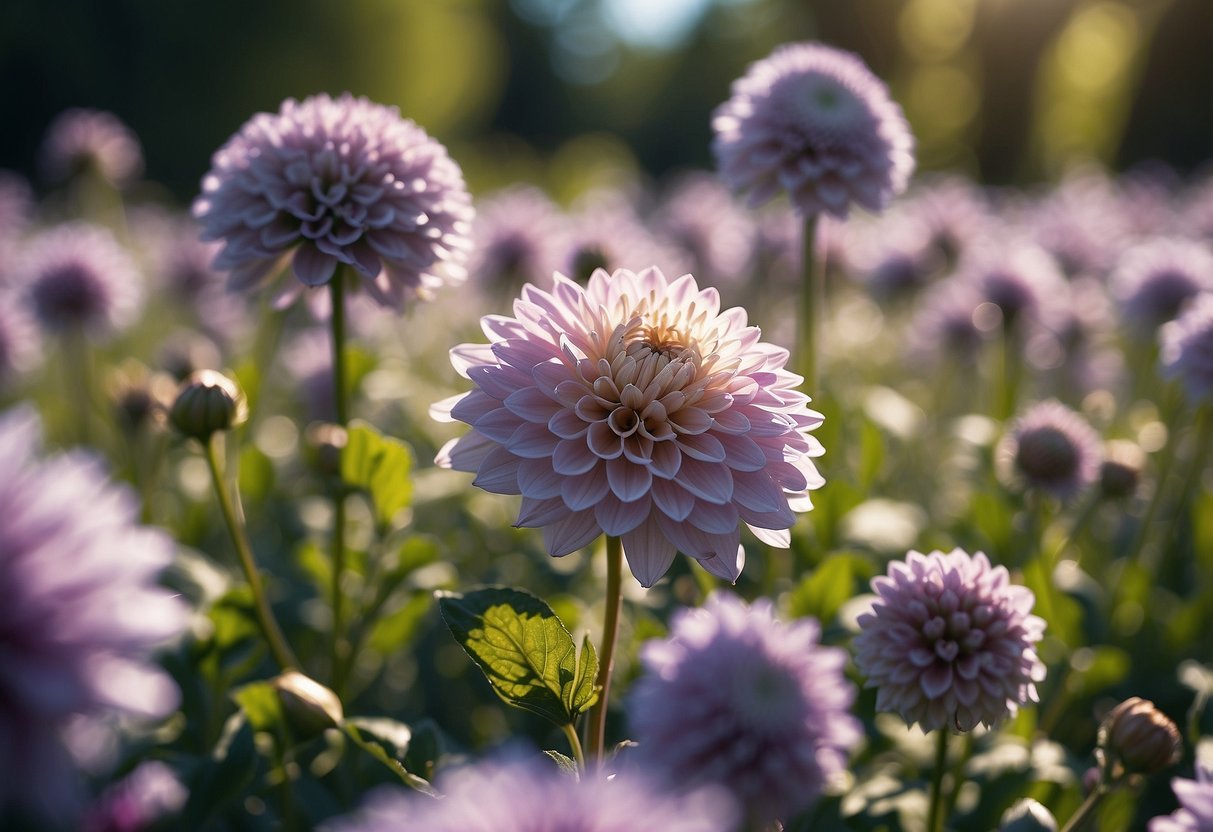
x,y
634,407
339,181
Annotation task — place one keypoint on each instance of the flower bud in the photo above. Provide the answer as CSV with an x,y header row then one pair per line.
x,y
1027,815
326,440
208,401
1121,469
1138,738
309,707
139,397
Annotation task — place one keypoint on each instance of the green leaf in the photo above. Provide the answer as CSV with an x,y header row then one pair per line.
x,y
381,739
380,466
395,631
565,763
526,653
260,705
831,585
233,766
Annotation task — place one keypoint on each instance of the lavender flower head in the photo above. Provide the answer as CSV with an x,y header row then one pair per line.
x,y
1020,279
81,139
608,233
337,181
1187,349
525,796
738,698
634,407
1196,803
77,277
814,121
700,216
519,235
80,613
16,207
1051,448
943,325
950,642
1155,280
19,342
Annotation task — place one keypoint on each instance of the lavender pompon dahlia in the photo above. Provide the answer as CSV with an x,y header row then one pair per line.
x,y
81,139
1196,803
526,796
80,613
1156,279
737,698
19,342
77,277
1051,448
950,642
338,181
634,407
814,121
519,235
1187,349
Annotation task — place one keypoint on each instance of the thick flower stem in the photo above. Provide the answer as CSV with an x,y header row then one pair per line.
x,y
1077,820
812,302
265,617
574,744
340,410
596,737
935,816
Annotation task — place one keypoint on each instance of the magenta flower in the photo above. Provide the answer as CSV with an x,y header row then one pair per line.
x,y
82,139
737,698
950,642
525,796
814,121
337,181
1187,349
1196,803
1051,448
80,614
634,407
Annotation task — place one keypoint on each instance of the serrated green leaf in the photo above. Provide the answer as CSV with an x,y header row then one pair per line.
x,y
524,650
566,764
260,705
381,742
380,466
831,585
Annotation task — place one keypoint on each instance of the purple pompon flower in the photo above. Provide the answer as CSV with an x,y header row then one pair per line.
x,y
608,233
82,139
634,407
1187,349
954,211
144,797
1081,223
950,641
337,181
80,613
1196,803
16,208
522,795
943,325
814,121
895,257
1155,279
19,342
1022,280
519,235
737,698
77,277
1051,448
700,216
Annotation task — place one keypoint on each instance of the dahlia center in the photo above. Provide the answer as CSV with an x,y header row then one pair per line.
x,y
1047,453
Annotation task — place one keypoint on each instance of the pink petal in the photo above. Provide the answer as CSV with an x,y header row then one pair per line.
x,y
567,425
532,404
312,266
728,568
498,473
777,538
712,518
585,491
570,534
703,446
666,459
711,481
672,499
532,441
648,551
572,457
465,453
535,512
742,453
617,517
537,479
628,480
936,680
498,424
499,382
757,492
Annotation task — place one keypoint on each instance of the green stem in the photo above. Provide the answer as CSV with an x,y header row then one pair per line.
x,y
79,377
1079,525
935,816
265,617
340,409
1165,463
574,743
1010,368
1196,464
812,302
1084,811
596,739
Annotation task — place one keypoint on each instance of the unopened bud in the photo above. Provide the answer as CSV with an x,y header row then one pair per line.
x,y
1121,469
208,401
309,707
326,440
1139,738
140,398
1027,815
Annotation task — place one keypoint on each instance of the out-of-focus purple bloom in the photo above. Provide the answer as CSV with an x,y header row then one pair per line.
x,y
955,213
82,139
1081,223
337,181
19,342
308,359
1020,279
894,257
950,641
526,796
943,323
146,796
16,207
519,236
700,216
608,233
1187,349
1052,449
77,277
80,613
635,407
815,122
737,698
1155,279
1196,803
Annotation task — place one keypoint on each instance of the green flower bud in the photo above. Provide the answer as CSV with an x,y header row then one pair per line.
x,y
309,707
1137,738
208,401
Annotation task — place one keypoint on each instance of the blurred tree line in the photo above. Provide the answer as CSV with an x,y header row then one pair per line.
x,y
1010,91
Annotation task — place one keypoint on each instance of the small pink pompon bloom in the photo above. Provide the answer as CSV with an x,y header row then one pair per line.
x,y
950,642
634,407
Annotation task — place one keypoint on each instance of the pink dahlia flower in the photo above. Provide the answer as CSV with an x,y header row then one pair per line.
x,y
814,121
337,181
950,642
634,407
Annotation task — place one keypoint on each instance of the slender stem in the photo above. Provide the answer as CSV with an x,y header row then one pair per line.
x,y
1160,480
958,767
79,378
1079,818
340,409
1196,464
265,616
935,816
596,739
812,302
575,743
1010,368
1079,525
